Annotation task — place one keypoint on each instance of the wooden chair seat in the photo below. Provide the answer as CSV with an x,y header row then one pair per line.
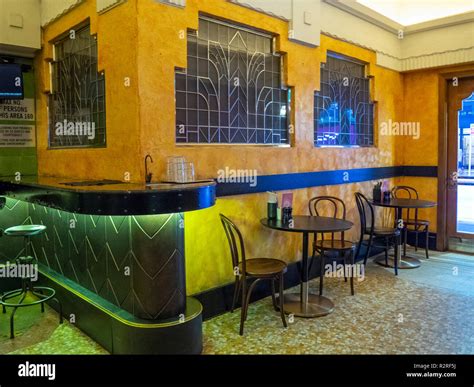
x,y
334,245
262,267
384,231
417,222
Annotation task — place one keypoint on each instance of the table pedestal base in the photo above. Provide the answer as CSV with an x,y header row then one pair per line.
x,y
405,262
317,306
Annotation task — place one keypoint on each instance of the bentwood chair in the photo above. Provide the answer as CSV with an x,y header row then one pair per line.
x,y
384,237
255,269
411,222
333,247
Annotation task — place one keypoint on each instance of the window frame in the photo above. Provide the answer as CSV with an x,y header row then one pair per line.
x,y
370,102
100,78
286,128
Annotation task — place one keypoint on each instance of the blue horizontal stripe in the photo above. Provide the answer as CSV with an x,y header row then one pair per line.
x,y
290,181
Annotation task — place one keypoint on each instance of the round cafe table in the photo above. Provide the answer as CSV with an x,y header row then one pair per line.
x,y
304,304
404,262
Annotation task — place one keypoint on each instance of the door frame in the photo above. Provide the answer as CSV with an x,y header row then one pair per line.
x,y
441,224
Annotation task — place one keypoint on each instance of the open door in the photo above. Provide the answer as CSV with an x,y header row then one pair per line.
x,y
460,165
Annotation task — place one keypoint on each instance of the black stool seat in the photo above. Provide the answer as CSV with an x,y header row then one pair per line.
x,y
40,293
25,230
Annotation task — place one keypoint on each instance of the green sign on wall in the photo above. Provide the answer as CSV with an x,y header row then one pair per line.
x,y
18,134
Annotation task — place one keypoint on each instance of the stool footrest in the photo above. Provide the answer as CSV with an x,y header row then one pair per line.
x,y
33,290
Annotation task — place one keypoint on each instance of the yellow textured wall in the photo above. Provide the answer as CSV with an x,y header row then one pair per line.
x,y
143,40
116,36
161,48
158,57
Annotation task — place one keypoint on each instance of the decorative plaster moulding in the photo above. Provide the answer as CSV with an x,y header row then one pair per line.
x,y
63,11
365,13
175,3
246,4
303,17
106,5
438,59
429,60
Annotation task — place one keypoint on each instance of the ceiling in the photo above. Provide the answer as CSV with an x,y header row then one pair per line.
x,y
409,12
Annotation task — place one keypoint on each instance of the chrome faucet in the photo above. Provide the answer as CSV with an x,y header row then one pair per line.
x,y
148,176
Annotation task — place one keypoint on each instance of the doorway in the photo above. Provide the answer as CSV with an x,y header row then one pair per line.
x,y
460,165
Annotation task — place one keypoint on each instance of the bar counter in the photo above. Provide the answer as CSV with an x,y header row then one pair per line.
x,y
109,197
115,254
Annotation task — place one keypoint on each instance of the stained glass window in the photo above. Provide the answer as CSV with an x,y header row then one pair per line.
x,y
231,91
343,111
77,101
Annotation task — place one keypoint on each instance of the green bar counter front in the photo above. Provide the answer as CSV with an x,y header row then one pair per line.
x,y
114,252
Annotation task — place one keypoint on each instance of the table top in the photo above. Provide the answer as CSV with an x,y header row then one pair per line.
x,y
405,203
306,223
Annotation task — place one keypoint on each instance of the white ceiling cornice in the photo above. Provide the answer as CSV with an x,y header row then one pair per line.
x,y
467,17
367,14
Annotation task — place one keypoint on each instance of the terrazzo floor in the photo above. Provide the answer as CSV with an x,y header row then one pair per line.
x,y
429,310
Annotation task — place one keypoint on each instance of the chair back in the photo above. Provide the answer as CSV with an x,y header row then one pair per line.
x,y
236,244
322,204
366,214
406,192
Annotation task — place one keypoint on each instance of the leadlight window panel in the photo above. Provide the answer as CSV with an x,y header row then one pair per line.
x,y
231,91
343,111
78,93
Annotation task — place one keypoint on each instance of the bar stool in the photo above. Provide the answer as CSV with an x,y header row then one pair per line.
x,y
42,293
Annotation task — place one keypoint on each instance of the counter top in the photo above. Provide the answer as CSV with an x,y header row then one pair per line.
x,y
109,197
